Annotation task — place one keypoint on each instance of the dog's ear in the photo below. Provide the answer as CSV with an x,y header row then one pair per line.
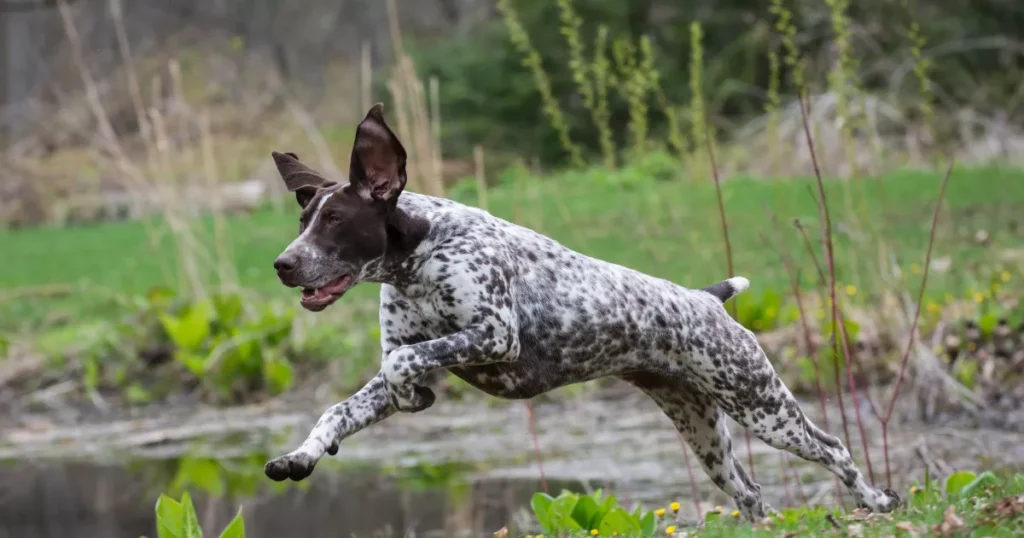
x,y
377,171
299,178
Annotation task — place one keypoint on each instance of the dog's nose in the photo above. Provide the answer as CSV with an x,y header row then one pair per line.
x,y
284,263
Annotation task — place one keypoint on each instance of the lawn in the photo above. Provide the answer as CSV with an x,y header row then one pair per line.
x,y
641,217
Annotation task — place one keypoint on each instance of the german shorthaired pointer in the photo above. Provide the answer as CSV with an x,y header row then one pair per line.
x,y
516,314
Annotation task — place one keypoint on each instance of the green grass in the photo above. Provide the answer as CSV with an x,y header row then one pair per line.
x,y
965,505
667,228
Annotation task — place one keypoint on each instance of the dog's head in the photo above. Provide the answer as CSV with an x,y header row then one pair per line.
x,y
342,228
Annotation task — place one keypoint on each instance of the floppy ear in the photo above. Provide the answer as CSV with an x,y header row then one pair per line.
x,y
377,171
299,178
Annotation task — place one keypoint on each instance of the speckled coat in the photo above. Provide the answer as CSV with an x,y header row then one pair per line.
x,y
516,314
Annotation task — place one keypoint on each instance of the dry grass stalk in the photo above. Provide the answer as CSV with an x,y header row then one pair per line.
x,y
365,78
415,125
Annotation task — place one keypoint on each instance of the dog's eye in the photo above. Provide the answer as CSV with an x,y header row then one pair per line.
x,y
333,220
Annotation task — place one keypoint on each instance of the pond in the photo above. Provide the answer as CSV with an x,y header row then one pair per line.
x,y
461,468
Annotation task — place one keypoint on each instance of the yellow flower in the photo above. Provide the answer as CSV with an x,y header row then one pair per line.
x,y
674,506
915,268
851,290
594,532
735,513
671,529
660,512
914,489
1005,276
979,297
995,287
933,308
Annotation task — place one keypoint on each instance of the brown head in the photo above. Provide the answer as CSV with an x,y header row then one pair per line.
x,y
342,228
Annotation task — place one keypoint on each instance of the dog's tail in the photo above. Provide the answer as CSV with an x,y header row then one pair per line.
x,y
727,289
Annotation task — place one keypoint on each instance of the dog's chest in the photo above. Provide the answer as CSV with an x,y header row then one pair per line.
x,y
414,314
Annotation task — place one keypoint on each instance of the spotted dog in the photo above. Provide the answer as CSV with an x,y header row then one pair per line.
x,y
516,314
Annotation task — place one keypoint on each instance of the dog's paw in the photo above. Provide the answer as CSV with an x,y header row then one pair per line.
x,y
296,465
890,500
411,398
895,501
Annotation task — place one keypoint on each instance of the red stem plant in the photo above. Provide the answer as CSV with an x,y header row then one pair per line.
x,y
536,445
839,322
825,224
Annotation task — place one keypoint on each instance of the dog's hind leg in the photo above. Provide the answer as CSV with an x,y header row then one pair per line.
x,y
754,395
702,424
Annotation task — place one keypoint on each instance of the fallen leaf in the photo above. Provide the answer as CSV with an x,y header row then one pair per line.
x,y
502,533
950,522
856,530
1009,506
907,527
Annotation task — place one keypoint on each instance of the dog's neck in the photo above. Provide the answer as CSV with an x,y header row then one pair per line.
x,y
399,264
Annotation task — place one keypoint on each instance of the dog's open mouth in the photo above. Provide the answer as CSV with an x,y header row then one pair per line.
x,y
317,299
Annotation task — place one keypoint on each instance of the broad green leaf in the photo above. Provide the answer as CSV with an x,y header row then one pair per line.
x,y
618,521
541,505
586,513
957,481
190,522
561,512
609,502
235,529
193,362
648,525
168,518
189,330
984,479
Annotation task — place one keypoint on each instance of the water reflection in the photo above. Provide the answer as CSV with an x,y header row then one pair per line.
x,y
90,501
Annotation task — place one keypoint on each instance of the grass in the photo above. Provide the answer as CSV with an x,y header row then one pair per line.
x,y
987,505
665,228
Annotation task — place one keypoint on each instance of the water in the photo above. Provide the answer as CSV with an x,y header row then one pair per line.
x,y
460,468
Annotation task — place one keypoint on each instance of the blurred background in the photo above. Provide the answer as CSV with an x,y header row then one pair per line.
x,y
146,345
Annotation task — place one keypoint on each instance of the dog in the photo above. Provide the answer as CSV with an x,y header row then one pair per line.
x,y
516,314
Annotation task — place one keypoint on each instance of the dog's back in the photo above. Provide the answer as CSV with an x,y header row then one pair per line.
x,y
578,317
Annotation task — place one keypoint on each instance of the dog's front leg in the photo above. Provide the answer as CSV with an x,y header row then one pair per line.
x,y
367,406
479,344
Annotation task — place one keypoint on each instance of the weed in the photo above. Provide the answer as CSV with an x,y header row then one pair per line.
x,y
177,519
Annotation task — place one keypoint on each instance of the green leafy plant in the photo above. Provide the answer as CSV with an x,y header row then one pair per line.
x,y
765,312
575,512
177,519
220,343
